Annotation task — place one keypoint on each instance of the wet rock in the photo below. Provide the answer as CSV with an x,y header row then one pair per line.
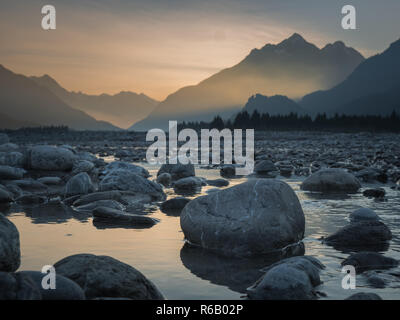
x,y
103,276
363,214
290,279
266,167
31,199
174,205
4,138
228,171
96,196
50,181
177,171
10,257
189,183
113,215
18,286
7,147
101,203
79,184
11,173
286,171
331,181
363,261
364,296
51,158
218,182
360,234
374,193
165,179
371,175
5,196
375,281
29,185
253,218
13,159
121,165
82,166
66,289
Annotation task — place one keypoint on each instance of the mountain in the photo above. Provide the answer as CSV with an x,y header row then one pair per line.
x,y
120,109
9,123
275,105
372,88
23,100
293,67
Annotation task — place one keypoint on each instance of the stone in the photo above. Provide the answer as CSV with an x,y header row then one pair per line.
x,y
82,166
97,196
363,214
103,276
218,183
12,159
50,181
165,179
18,286
363,261
189,183
252,218
11,173
374,193
51,158
228,171
266,167
5,196
101,203
177,171
10,256
31,199
175,204
364,296
79,184
121,165
117,216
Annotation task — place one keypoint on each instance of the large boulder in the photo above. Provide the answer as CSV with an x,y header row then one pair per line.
x,y
11,173
103,276
363,261
177,171
121,165
79,184
5,195
253,218
51,158
10,257
127,180
18,286
331,181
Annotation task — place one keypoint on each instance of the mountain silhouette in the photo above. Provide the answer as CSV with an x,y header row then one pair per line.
x,y
120,109
293,68
372,88
275,105
24,101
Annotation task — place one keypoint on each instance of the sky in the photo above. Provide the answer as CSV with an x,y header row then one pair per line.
x,y
157,46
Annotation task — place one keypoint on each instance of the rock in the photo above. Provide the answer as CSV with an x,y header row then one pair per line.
x,y
331,181
29,184
371,175
375,281
18,286
101,203
165,179
79,184
374,193
174,205
228,171
121,165
7,147
218,182
31,199
189,183
103,276
96,196
4,138
363,214
12,159
360,234
267,168
51,158
50,180
82,166
290,279
65,289
5,196
129,181
363,261
118,216
252,218
286,171
177,171
11,173
10,257
364,296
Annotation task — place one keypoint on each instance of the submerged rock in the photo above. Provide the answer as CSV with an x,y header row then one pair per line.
x,y
51,158
177,171
10,257
363,261
118,216
96,196
103,276
255,217
331,181
101,203
363,214
364,296
79,184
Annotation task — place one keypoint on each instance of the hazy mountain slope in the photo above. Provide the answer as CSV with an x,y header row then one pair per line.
x,y
374,77
121,109
9,123
24,100
275,105
292,68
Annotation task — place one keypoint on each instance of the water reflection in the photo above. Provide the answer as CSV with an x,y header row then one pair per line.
x,y
52,213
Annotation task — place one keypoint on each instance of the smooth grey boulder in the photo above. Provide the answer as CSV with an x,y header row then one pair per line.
x,y
82,166
18,286
175,204
218,183
331,181
290,279
165,179
79,184
51,158
103,276
118,216
252,218
101,203
4,138
177,171
121,165
13,159
10,256
11,173
364,296
66,289
363,261
266,167
128,181
363,214
189,183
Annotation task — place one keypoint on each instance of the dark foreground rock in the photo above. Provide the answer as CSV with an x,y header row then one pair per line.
x,y
255,217
363,214
363,261
79,184
374,193
10,257
364,296
103,276
174,205
18,286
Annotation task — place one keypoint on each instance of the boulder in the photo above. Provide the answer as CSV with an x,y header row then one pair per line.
x,y
165,179
103,276
266,167
331,181
79,184
252,218
174,205
117,216
121,165
82,166
50,180
5,196
374,193
10,257
96,196
189,183
11,173
363,214
218,183
363,261
13,159
101,203
228,171
51,158
364,296
177,171
18,286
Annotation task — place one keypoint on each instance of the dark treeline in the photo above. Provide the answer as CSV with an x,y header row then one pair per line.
x,y
294,122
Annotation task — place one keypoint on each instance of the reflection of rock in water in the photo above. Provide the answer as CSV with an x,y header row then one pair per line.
x,y
52,213
102,225
326,196
235,273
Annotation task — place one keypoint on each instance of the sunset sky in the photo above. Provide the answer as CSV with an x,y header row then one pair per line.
x,y
157,46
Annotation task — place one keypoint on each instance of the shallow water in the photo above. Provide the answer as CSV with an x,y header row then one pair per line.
x,y
50,233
